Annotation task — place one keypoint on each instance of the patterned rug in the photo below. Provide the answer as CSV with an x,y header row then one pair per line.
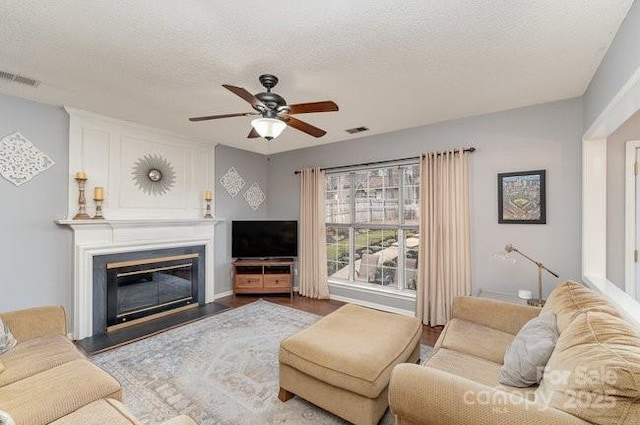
x,y
220,370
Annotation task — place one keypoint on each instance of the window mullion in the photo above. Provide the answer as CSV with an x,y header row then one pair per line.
x,y
352,273
400,262
352,238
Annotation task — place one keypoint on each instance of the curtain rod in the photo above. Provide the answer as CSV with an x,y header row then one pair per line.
x,y
380,162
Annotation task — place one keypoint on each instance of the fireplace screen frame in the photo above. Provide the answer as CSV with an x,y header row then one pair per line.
x,y
117,269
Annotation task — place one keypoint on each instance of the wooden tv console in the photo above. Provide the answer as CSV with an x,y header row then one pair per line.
x,y
263,276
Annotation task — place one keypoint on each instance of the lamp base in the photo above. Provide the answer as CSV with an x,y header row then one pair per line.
x,y
536,303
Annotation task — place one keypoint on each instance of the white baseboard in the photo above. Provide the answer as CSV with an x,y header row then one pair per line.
x,y
222,295
372,305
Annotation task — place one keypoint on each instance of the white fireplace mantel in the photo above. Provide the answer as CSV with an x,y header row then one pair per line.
x,y
103,237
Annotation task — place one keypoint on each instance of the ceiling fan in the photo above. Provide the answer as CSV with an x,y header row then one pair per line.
x,y
274,112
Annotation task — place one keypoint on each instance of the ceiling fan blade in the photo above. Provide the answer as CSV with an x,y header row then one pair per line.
x,y
215,117
304,127
306,108
239,91
253,134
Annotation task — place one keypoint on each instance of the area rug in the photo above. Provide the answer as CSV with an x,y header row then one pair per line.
x,y
220,370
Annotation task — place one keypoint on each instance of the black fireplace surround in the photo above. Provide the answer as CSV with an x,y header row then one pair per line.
x,y
132,285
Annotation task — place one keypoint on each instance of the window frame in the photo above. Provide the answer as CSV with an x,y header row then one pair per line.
x,y
400,227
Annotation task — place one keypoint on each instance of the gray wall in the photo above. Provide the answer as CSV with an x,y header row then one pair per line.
x,y
253,168
619,64
544,136
616,145
35,254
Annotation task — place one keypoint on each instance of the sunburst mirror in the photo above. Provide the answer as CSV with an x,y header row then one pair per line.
x,y
154,175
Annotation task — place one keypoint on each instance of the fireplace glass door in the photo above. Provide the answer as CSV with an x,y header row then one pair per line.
x,y
135,290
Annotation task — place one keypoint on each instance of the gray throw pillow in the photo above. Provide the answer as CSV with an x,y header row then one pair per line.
x,y
529,352
7,341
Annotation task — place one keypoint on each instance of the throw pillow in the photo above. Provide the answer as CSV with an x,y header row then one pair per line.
x,y
7,341
529,352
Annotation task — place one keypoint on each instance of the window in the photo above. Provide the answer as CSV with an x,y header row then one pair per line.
x,y
372,226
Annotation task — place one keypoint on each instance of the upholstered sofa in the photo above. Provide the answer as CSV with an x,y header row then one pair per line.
x,y
46,379
592,376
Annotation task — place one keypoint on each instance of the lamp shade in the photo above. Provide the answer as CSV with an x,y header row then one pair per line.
x,y
269,128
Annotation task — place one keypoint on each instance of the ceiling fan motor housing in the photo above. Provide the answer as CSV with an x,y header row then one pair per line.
x,y
271,100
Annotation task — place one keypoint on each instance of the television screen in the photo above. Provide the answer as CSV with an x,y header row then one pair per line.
x,y
263,239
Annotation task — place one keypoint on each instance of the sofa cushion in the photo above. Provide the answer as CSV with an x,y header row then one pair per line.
x,y
354,348
36,322
54,393
505,317
529,352
7,341
594,371
36,355
569,299
475,369
474,339
103,411
1,367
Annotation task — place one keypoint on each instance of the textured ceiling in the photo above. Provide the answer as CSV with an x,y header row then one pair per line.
x,y
388,65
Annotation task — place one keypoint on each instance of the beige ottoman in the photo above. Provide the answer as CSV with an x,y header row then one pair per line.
x,y
343,362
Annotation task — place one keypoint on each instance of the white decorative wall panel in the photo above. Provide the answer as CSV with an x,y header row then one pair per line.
x,y
20,160
107,149
254,196
232,181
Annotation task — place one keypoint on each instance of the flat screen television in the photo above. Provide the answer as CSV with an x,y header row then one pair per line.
x,y
264,239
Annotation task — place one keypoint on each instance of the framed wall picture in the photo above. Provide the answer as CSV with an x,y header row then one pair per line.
x,y
521,197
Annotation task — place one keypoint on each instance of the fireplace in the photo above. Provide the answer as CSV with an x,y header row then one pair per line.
x,y
141,288
136,285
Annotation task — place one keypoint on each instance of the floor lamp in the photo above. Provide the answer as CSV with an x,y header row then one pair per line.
x,y
509,249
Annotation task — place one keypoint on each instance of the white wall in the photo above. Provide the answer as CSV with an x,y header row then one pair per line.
x,y
619,64
546,136
612,98
108,149
35,253
616,143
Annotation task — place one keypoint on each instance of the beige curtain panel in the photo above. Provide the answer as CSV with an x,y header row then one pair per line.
x,y
444,269
312,252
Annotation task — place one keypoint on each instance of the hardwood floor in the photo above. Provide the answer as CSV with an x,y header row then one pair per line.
x,y
320,307
99,343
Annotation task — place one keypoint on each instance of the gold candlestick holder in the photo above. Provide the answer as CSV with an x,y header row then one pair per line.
x,y
208,211
98,215
82,202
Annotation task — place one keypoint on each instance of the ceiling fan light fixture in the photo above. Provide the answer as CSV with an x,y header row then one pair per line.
x,y
269,128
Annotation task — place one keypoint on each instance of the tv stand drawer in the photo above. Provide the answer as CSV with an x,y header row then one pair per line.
x,y
277,280
248,281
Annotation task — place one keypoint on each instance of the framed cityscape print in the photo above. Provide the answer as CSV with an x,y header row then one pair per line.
x,y
521,197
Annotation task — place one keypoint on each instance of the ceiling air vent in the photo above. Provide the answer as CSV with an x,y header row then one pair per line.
x,y
16,78
356,130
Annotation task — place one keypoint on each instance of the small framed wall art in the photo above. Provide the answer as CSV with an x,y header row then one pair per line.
x,y
522,197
